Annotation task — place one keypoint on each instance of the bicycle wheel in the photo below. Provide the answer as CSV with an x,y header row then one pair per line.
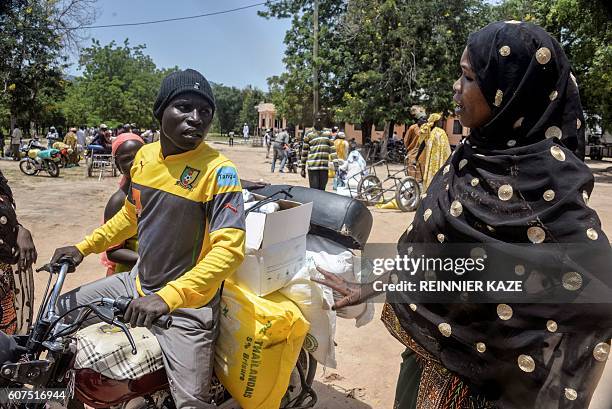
x,y
408,194
28,167
370,190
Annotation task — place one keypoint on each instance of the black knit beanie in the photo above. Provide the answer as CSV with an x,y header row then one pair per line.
x,y
180,82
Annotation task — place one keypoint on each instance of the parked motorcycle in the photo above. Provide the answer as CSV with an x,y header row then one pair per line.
x,y
65,151
45,359
396,151
293,161
37,160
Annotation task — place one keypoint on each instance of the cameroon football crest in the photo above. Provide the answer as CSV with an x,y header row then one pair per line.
x,y
188,178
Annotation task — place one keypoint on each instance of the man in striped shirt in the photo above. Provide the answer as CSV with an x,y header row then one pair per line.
x,y
317,150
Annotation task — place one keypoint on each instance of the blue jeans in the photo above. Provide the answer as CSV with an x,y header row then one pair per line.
x,y
279,153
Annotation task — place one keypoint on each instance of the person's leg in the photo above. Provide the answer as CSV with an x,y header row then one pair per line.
x,y
283,159
324,176
274,157
407,389
122,284
15,152
188,352
313,179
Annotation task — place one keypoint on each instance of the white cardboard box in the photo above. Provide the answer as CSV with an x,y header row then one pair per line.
x,y
275,247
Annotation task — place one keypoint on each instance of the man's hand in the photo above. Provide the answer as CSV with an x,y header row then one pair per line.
x,y
70,252
143,311
27,250
303,172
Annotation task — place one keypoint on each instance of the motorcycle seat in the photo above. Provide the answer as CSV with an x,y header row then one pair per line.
x,y
105,349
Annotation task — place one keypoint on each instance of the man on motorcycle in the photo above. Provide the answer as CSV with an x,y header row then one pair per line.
x,y
186,204
103,139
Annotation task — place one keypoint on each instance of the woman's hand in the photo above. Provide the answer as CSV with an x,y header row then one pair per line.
x,y
26,249
352,292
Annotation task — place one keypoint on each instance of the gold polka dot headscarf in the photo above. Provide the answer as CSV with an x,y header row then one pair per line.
x,y
518,183
526,78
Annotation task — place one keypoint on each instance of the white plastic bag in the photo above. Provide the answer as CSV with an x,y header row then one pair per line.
x,y
247,196
315,304
339,260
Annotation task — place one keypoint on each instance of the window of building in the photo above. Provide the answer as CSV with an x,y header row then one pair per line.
x,y
357,127
380,127
457,127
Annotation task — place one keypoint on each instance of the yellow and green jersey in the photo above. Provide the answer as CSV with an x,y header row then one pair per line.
x,y
189,215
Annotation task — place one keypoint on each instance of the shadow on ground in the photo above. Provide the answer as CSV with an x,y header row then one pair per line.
x,y
603,175
331,396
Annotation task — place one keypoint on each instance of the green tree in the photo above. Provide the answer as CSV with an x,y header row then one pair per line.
x,y
296,83
378,57
119,85
229,105
30,62
584,29
251,97
34,39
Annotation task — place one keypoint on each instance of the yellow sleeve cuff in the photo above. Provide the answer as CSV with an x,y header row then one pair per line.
x,y
84,248
171,297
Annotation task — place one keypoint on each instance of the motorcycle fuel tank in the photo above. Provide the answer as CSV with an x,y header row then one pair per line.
x,y
98,391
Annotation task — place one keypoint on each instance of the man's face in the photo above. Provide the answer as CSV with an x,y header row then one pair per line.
x,y
186,121
124,157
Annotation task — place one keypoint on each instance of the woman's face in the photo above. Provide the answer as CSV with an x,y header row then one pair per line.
x,y
472,107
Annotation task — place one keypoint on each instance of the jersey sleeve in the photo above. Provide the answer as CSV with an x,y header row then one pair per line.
x,y
119,228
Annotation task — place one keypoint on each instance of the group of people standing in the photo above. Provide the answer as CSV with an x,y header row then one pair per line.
x,y
427,148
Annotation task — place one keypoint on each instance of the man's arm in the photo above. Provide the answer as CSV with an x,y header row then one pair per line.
x,y
305,149
119,228
226,226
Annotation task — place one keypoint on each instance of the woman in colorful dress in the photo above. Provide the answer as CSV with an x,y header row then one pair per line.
x,y
17,251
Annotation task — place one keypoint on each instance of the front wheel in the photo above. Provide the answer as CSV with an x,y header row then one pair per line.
x,y
28,166
370,190
300,393
408,194
52,169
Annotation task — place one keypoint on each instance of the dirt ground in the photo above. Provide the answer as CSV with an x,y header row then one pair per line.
x,y
61,211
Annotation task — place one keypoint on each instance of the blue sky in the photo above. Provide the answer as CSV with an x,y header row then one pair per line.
x,y
238,48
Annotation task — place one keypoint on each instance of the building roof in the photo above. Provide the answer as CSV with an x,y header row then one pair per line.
x,y
266,107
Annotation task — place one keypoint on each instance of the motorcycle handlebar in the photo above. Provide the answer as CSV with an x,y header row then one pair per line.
x,y
122,303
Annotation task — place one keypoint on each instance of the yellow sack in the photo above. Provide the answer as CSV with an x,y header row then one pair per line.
x,y
259,343
390,205
60,145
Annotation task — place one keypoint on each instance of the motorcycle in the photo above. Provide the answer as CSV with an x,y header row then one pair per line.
x,y
37,160
65,151
292,156
46,359
396,151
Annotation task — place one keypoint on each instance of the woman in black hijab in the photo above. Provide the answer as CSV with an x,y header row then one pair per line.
x,y
518,182
16,247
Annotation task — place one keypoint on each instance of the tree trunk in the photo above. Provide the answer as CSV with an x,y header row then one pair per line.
x,y
366,131
386,137
13,122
